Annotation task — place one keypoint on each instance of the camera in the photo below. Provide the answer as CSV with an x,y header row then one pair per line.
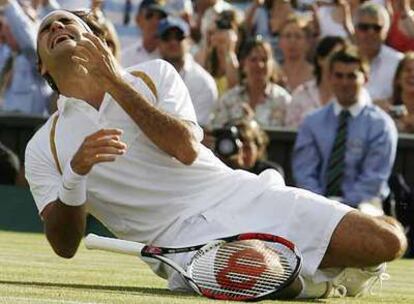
x,y
397,111
223,24
227,142
224,20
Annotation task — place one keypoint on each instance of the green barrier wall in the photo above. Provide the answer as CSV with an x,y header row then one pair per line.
x,y
18,212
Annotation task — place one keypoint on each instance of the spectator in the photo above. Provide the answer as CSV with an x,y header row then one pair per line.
x,y
371,28
207,13
257,95
255,142
149,13
318,91
173,46
26,91
335,18
181,8
403,96
248,144
401,34
219,56
294,45
346,149
9,166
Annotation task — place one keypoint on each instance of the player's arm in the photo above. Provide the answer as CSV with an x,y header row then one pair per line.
x,y
64,227
170,134
65,218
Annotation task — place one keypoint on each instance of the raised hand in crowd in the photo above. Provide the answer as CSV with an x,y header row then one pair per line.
x,y
402,8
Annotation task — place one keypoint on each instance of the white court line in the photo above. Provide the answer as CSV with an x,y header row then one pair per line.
x,y
6,300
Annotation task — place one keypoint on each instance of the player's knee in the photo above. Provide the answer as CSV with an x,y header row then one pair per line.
x,y
392,242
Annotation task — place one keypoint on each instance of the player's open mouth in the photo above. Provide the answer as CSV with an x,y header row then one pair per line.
x,y
60,38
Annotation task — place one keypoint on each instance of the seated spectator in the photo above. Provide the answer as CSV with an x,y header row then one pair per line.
x,y
26,91
335,18
219,56
9,166
318,91
148,15
371,27
402,103
181,8
257,96
265,18
174,47
346,149
401,34
294,45
207,13
248,147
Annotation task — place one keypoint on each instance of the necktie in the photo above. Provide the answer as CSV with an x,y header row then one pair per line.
x,y
336,164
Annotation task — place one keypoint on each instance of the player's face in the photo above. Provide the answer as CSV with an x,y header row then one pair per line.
x,y
347,80
57,36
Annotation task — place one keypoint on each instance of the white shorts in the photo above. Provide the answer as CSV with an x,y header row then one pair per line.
x,y
305,218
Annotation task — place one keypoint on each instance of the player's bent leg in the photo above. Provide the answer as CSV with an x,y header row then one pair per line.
x,y
360,241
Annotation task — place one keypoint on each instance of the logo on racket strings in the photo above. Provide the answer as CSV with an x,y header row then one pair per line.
x,y
242,269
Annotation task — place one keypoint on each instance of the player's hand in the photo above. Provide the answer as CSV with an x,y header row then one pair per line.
x,y
102,146
97,60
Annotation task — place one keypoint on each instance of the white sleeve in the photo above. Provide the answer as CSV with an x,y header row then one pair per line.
x,y
173,95
41,172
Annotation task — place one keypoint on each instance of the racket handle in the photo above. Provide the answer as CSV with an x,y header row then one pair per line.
x,y
93,241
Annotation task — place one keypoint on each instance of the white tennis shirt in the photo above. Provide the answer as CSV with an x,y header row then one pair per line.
x,y
144,195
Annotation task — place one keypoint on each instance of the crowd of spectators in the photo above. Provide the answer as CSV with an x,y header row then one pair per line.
x,y
267,60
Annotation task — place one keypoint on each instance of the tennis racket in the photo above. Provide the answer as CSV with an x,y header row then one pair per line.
x,y
249,266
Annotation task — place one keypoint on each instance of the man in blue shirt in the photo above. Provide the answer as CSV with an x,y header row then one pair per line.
x,y
369,146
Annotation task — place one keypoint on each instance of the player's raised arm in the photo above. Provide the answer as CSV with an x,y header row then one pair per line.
x,y
159,126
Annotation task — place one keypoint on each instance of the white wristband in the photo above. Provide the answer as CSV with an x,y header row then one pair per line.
x,y
72,191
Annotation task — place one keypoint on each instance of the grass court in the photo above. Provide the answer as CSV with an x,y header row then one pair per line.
x,y
31,273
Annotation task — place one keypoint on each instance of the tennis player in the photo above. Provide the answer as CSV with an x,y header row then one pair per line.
x,y
125,147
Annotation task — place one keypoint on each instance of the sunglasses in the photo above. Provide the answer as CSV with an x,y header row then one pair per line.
x,y
367,26
349,76
172,35
151,14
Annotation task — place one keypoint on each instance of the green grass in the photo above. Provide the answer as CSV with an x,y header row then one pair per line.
x,y
31,273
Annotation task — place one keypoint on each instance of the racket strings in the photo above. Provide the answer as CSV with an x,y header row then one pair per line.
x,y
243,269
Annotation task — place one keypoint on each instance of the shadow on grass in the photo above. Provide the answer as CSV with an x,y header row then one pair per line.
x,y
140,290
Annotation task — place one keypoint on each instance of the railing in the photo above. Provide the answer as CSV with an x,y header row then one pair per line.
x,y
16,130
